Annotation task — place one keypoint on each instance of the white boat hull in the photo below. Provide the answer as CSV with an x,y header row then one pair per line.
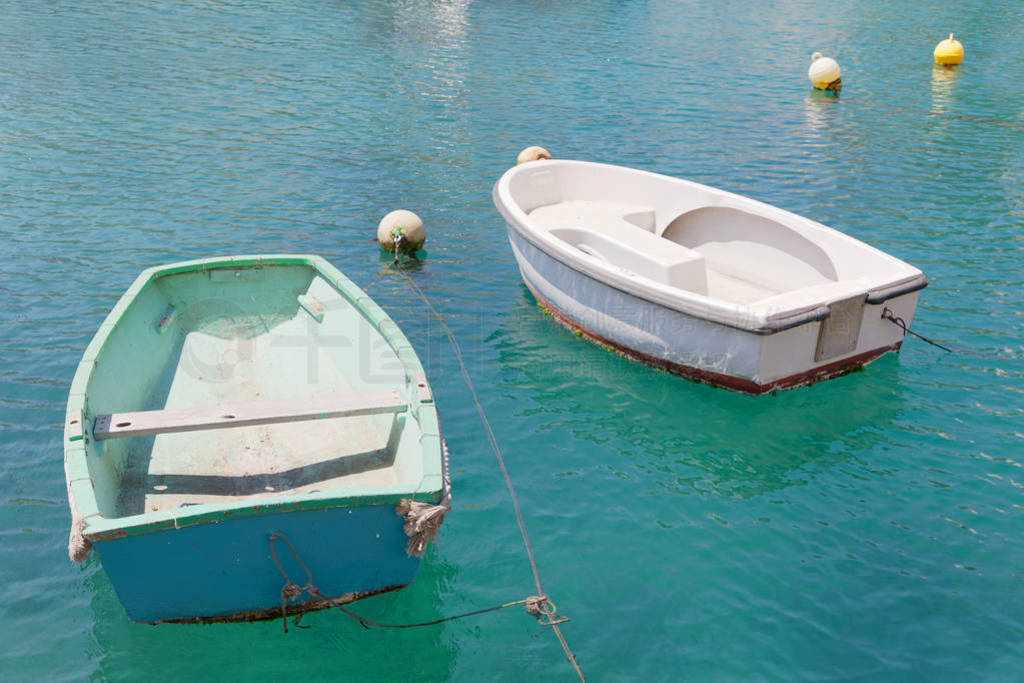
x,y
742,352
698,349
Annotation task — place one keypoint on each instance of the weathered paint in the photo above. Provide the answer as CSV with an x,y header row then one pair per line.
x,y
225,571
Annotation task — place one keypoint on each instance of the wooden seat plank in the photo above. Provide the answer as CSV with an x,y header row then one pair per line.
x,y
144,423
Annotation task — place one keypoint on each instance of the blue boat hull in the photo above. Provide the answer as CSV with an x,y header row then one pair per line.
x,y
224,570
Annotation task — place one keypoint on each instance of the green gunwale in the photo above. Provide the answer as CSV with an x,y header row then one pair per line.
x,y
77,436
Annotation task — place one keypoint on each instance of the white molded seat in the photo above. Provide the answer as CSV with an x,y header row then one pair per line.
x,y
623,235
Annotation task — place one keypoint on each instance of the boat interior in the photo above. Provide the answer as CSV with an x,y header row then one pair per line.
x,y
212,380
694,238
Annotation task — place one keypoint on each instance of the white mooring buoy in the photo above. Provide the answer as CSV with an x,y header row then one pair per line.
x,y
403,226
533,153
824,73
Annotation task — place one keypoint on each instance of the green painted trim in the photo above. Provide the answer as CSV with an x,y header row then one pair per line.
x,y
98,528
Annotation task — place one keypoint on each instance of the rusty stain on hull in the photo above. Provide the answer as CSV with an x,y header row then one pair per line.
x,y
716,379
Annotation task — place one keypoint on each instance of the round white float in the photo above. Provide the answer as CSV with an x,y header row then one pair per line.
x,y
533,153
404,223
824,73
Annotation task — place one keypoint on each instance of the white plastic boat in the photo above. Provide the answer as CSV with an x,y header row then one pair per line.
x,y
705,283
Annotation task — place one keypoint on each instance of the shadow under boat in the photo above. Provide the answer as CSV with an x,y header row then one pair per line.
x,y
747,445
121,645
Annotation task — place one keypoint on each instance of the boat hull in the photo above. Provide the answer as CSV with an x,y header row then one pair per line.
x,y
224,571
747,361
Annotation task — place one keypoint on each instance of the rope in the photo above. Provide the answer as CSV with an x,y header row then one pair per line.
x,y
901,323
552,621
538,605
380,277
397,234
969,351
487,427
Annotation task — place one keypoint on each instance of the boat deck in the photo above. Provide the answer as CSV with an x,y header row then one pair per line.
x,y
171,470
734,289
243,463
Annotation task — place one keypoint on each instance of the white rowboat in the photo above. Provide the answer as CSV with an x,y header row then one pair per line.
x,y
705,283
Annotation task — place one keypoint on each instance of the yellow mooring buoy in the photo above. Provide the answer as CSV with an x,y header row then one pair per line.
x,y
532,154
824,73
949,52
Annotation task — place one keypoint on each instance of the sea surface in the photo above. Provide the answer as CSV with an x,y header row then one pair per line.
x,y
869,528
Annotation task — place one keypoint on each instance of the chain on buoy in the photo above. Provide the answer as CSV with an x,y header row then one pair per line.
x,y
402,230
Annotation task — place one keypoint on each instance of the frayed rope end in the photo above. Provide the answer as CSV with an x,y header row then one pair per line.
x,y
422,522
78,545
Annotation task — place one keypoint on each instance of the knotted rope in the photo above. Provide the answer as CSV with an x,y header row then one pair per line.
x,y
537,605
422,521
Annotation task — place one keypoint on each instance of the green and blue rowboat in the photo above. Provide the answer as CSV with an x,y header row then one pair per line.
x,y
230,401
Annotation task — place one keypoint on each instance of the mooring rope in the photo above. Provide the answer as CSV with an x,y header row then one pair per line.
x,y
379,278
537,605
902,324
967,351
552,619
487,426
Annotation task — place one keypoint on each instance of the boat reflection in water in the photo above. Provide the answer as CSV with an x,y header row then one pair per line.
x,y
687,437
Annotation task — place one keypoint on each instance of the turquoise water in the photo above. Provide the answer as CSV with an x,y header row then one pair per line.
x,y
867,528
